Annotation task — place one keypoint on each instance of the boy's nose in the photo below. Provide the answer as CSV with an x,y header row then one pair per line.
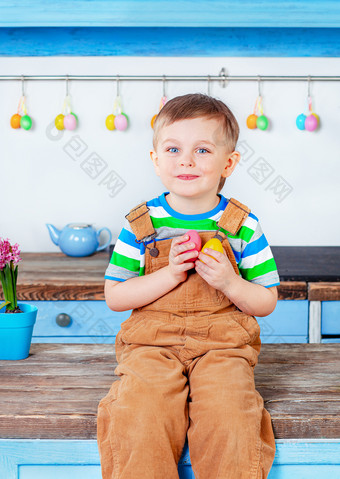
x,y
187,160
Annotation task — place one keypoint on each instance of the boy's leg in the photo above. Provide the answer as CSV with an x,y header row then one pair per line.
x,y
143,420
230,433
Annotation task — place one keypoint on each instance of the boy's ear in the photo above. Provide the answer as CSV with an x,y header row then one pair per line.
x,y
154,159
231,163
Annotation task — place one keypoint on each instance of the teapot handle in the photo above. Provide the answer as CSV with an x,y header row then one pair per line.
x,y
108,241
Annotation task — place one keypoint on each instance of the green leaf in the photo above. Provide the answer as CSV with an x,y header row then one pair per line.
x,y
4,304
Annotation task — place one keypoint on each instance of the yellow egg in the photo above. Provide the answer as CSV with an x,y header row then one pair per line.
x,y
59,122
214,244
110,122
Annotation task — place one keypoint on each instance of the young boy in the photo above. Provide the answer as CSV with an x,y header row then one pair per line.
x,y
186,355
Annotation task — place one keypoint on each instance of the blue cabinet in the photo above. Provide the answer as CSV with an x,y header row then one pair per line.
x,y
330,321
75,459
93,321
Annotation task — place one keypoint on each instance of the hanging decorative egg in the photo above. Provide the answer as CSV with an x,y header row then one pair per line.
x,y
257,119
262,122
251,121
311,123
70,122
110,122
59,122
15,121
300,121
121,122
26,122
311,120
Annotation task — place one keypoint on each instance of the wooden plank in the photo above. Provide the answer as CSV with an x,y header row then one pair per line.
x,y
324,291
292,290
54,393
193,13
171,41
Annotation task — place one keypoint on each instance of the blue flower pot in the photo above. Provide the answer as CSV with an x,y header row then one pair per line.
x,y
16,332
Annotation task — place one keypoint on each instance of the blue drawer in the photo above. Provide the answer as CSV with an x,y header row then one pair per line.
x,y
288,323
93,321
330,314
75,459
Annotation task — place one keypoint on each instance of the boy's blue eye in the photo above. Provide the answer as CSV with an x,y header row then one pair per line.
x,y
202,149
173,148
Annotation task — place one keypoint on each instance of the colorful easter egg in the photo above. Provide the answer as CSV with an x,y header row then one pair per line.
x,y
311,123
75,116
262,122
153,120
15,121
317,118
195,238
251,122
300,121
59,122
26,122
214,244
110,122
121,122
70,122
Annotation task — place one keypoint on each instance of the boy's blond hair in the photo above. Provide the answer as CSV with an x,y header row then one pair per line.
x,y
194,105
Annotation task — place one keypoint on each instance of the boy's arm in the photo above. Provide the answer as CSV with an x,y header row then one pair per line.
x,y
251,298
136,292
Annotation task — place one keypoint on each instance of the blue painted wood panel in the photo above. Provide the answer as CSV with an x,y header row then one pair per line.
x,y
330,340
93,321
184,13
72,459
167,41
330,314
288,323
88,318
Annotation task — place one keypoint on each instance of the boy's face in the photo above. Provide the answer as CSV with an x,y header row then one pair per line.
x,y
196,147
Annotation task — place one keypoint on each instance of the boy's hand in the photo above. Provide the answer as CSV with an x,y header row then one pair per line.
x,y
218,272
177,255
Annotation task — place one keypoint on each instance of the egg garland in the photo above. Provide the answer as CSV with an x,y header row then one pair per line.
x,y
161,104
67,120
118,120
21,119
311,120
257,119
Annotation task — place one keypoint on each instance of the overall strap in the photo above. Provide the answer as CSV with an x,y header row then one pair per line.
x,y
140,222
233,216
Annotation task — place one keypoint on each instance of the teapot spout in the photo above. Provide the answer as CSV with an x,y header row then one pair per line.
x,y
54,233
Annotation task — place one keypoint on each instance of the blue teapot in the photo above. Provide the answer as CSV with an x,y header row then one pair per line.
x,y
78,239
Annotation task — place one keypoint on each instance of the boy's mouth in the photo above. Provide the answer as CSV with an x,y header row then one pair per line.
x,y
187,177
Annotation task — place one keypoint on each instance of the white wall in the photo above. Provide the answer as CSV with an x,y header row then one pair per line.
x,y
41,183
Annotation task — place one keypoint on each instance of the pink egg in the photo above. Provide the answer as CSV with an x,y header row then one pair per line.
x,y
195,238
121,122
311,123
70,122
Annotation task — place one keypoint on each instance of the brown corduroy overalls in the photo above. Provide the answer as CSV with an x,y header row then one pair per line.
x,y
186,366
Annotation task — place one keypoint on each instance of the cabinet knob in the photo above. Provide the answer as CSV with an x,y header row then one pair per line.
x,y
63,320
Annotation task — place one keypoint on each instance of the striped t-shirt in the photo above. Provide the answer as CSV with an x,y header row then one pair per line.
x,y
250,246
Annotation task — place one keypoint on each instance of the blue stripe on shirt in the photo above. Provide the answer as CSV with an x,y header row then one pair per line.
x,y
255,247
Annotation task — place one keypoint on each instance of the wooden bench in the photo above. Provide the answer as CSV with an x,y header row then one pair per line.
x,y
49,403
